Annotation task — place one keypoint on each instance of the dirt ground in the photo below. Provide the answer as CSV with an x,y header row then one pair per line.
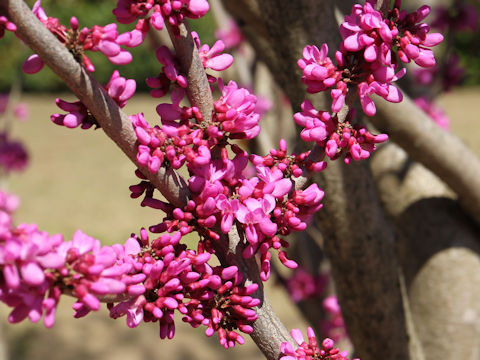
x,y
76,179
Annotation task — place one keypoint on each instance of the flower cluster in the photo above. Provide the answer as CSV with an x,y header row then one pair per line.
x,y
157,12
336,138
143,280
334,326
311,350
369,54
303,285
264,205
119,89
13,155
97,38
37,268
169,74
231,36
230,191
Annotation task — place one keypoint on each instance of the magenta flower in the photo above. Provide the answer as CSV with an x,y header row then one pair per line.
x,y
311,350
6,25
253,213
229,210
232,36
318,125
235,110
172,12
319,73
334,325
212,58
120,89
98,38
13,155
434,112
302,285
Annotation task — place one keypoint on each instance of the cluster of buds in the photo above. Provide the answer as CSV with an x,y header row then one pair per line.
x,y
118,88
97,38
13,155
311,350
263,205
334,326
37,268
373,44
303,285
336,138
170,74
157,12
143,280
5,24
434,112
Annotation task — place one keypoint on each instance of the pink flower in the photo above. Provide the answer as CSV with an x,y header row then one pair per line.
x,y
235,111
319,73
13,155
33,64
318,125
6,25
434,112
212,58
229,210
254,214
232,36
120,89
311,350
172,12
334,325
302,285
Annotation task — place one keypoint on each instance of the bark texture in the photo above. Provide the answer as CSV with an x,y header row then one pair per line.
x,y
439,251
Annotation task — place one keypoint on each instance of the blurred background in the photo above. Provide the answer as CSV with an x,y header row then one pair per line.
x,y
79,179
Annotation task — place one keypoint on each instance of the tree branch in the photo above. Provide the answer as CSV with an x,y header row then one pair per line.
x,y
111,118
198,89
440,151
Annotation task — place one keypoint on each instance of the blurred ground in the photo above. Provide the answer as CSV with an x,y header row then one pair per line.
x,y
76,179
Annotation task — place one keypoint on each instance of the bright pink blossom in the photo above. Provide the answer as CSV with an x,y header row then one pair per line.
x,y
434,112
311,350
213,58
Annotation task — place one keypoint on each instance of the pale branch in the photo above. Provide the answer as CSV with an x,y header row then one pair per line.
x,y
111,118
445,261
438,150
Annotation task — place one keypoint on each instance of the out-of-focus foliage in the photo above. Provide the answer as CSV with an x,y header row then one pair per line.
x,y
88,12
468,48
